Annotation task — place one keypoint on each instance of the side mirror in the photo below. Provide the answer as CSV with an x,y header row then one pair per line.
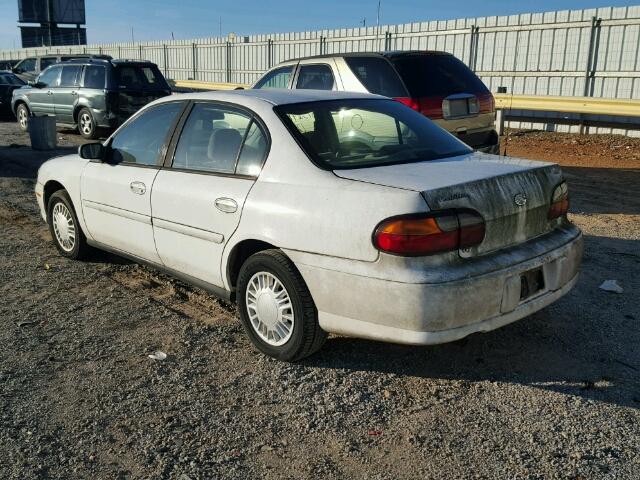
x,y
16,70
92,151
37,84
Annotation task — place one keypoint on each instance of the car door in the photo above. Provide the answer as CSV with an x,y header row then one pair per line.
x,y
198,198
66,94
41,98
116,193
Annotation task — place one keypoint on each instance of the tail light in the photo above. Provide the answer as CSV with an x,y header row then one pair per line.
x,y
487,103
426,234
409,102
559,201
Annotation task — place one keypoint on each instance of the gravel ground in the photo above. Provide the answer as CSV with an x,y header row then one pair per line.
x,y
556,395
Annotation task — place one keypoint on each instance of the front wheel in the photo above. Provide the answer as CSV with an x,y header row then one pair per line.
x,y
64,227
87,125
276,307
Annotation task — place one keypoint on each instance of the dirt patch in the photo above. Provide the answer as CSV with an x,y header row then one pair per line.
x,y
556,395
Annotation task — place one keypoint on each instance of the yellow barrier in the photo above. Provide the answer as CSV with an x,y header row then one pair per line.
x,y
504,101
196,85
586,105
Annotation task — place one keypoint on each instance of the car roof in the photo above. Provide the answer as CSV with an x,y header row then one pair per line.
x,y
105,61
387,54
274,96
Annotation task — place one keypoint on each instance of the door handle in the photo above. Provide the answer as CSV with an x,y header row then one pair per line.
x,y
226,205
74,92
49,92
138,188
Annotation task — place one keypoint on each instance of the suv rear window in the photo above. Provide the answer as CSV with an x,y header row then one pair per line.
x,y
139,77
437,75
340,134
377,76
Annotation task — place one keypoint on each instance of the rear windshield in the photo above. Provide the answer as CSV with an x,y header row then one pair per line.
x,y
377,75
10,79
437,76
341,134
139,77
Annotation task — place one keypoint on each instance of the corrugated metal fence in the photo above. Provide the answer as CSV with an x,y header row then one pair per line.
x,y
593,52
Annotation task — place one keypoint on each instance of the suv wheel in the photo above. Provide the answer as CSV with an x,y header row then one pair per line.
x,y
64,227
22,114
276,308
86,124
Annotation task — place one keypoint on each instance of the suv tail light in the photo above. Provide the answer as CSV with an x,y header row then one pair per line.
x,y
487,102
409,102
559,201
429,233
429,107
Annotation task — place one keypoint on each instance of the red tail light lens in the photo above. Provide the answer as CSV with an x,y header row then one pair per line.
x,y
409,102
426,234
487,103
559,201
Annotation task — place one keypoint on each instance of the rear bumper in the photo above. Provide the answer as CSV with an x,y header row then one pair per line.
x,y
431,313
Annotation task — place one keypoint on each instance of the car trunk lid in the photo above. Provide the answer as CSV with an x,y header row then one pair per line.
x,y
512,195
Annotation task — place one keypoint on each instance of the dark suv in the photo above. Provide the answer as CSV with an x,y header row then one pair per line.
x,y
437,84
90,93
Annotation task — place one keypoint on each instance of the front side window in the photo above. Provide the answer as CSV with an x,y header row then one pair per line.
x,y
94,77
277,78
366,133
50,77
70,75
218,139
315,77
47,62
141,141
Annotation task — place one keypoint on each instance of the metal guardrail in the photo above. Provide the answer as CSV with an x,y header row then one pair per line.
x,y
197,85
584,105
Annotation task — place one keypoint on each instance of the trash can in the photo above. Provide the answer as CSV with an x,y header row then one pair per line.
x,y
42,131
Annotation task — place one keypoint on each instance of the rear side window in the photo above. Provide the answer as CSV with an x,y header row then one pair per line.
x,y
94,77
47,62
437,76
278,78
315,77
70,76
216,139
10,79
377,75
27,65
139,77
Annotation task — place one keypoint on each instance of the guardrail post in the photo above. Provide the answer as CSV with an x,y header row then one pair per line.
x,y
500,115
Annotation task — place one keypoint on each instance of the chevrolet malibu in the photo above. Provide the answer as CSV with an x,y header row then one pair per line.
x,y
320,212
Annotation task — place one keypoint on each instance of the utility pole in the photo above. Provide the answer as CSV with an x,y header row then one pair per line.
x,y
132,40
378,23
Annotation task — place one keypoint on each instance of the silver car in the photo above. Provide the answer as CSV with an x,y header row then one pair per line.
x,y
436,84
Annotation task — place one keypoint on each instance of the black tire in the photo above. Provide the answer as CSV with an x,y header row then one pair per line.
x,y
80,249
22,115
87,124
307,336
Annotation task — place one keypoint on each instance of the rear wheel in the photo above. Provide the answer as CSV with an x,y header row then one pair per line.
x,y
86,124
64,227
276,308
22,114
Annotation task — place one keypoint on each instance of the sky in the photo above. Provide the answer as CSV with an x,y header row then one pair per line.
x,y
113,20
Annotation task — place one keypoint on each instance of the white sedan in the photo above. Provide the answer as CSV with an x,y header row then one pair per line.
x,y
320,212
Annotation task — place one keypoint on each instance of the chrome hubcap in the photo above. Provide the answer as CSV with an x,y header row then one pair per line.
x,y
63,227
270,309
85,123
22,118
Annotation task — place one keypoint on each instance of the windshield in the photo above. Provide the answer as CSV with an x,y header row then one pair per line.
x,y
140,77
10,79
366,133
